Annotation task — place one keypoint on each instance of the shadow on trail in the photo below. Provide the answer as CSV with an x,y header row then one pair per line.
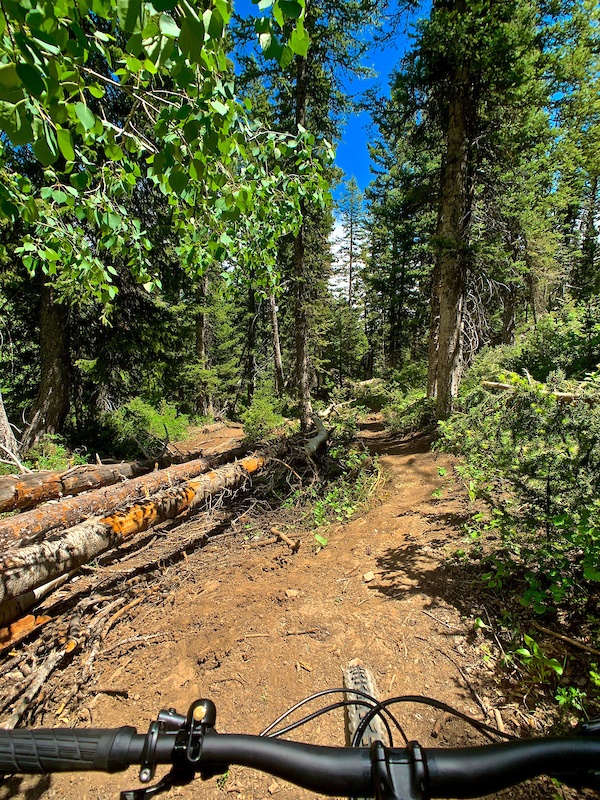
x,y
386,444
412,570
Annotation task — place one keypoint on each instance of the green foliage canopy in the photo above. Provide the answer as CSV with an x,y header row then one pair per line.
x,y
185,131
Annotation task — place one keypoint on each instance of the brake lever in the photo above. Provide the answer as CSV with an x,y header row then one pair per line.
x,y
187,749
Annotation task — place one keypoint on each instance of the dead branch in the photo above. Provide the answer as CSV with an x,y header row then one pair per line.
x,y
14,459
567,639
561,397
43,674
321,437
295,546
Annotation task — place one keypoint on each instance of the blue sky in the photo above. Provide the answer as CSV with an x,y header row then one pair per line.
x,y
352,153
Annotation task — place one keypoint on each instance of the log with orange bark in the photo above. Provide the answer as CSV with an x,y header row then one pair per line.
x,y
69,511
29,490
24,569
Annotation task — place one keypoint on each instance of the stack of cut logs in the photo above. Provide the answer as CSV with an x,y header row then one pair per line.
x,y
68,519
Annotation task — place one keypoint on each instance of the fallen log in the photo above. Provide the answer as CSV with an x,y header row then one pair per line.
x,y
561,397
322,433
30,525
28,491
18,605
27,568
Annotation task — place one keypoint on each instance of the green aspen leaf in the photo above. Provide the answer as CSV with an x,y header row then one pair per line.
x,y
46,42
264,4
300,41
224,9
31,211
79,180
150,30
291,8
191,38
168,27
31,78
278,15
65,143
114,152
219,107
133,64
178,180
286,57
213,23
58,196
16,124
164,5
9,78
128,13
134,44
43,152
85,116
185,77
95,90
271,47
34,18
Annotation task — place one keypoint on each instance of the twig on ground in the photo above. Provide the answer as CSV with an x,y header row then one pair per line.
x,y
566,639
42,676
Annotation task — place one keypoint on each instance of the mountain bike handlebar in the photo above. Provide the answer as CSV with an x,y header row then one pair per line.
x,y
192,746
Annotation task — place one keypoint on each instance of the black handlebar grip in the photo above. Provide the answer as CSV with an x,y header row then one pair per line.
x,y
67,749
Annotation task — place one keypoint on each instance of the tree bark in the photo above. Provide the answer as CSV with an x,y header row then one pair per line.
x,y
204,403
53,401
509,315
8,442
277,360
452,243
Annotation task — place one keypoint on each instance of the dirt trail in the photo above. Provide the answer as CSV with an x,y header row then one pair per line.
x,y
257,629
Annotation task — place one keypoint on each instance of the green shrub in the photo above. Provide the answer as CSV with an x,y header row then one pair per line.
x,y
567,339
137,428
373,394
408,413
262,417
51,453
538,462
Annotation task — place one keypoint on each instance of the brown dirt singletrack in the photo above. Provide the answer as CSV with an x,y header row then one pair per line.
x,y
258,628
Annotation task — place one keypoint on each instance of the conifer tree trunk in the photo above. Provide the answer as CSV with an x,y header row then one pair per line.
x,y
53,401
452,237
277,360
299,273
8,442
509,315
204,403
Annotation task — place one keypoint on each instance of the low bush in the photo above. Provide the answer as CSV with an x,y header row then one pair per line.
x,y
263,416
536,459
52,453
138,429
408,413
